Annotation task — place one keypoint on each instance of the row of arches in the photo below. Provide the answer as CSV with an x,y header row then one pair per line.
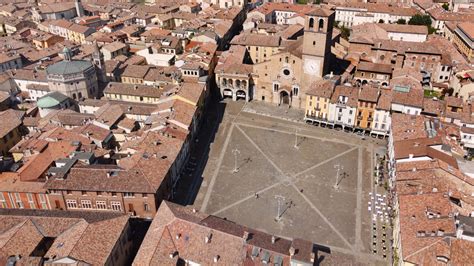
x,y
236,94
365,82
320,24
234,83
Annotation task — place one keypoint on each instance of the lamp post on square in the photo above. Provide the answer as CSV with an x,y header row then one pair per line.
x,y
296,139
339,168
236,153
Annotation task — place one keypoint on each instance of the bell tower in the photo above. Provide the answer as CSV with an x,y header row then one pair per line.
x,y
98,61
317,44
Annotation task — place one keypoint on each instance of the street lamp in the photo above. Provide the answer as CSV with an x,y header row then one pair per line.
x,y
280,200
339,168
236,153
296,139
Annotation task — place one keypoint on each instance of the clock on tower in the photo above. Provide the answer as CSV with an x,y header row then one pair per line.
x,y
317,44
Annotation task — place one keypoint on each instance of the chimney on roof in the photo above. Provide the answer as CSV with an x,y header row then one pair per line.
x,y
135,87
79,8
173,254
178,236
273,239
313,257
292,251
194,210
216,258
246,236
207,239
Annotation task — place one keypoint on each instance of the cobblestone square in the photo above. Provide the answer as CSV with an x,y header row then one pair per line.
x,y
285,183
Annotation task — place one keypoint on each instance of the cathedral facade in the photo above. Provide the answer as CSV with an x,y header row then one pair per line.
x,y
284,77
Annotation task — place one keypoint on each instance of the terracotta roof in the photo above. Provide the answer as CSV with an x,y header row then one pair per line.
x,y
251,39
321,88
385,100
401,28
369,94
350,92
94,178
320,12
434,107
114,46
374,67
35,166
417,229
56,7
468,29
11,120
179,229
191,91
133,89
407,91
270,7
407,127
109,114
403,47
136,71
379,8
93,132
92,242
10,182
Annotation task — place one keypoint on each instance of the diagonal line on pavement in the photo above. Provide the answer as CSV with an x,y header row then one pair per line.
x,y
240,123
323,217
216,172
294,186
324,162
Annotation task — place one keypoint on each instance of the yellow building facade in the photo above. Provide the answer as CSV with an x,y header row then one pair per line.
x,y
317,100
366,104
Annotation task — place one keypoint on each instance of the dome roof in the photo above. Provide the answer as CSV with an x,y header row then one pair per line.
x,y
68,67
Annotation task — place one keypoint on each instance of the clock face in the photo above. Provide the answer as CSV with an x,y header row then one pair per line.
x,y
311,67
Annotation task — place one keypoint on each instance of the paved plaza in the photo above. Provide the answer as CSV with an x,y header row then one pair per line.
x,y
281,177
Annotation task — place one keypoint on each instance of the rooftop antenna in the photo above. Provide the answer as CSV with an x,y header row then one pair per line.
x,y
236,153
338,168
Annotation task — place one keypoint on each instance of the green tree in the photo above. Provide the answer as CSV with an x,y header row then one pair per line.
x,y
345,32
420,20
446,6
401,21
381,21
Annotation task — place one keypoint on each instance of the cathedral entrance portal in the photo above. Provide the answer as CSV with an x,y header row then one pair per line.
x,y
284,97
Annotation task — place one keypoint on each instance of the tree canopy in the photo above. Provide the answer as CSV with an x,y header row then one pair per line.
x,y
420,20
401,21
425,20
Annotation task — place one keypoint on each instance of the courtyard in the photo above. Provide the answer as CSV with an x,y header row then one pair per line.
x,y
291,180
